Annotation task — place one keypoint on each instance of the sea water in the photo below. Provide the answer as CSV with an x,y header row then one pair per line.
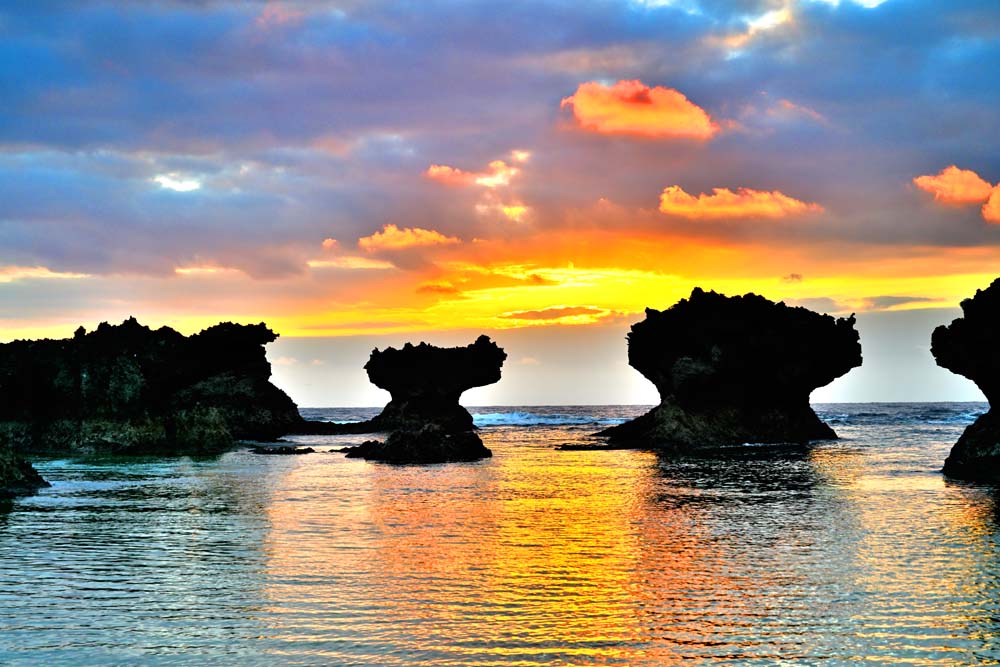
x,y
856,550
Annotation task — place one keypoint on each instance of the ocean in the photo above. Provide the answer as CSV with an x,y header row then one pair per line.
x,y
856,550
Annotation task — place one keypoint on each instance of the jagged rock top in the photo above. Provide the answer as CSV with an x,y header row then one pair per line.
x,y
428,370
712,349
970,345
132,388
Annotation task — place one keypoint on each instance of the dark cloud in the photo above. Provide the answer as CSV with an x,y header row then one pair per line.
x,y
886,302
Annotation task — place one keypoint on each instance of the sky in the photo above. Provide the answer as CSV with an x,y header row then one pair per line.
x,y
360,174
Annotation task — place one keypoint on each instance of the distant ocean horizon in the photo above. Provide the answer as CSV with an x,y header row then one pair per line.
x,y
848,551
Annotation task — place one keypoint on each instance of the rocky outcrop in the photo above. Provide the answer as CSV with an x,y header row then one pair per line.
x,y
17,476
970,346
429,444
425,383
426,421
732,370
129,389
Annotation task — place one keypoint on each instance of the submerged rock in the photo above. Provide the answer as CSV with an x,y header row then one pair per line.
x,y
17,476
429,444
425,383
970,346
280,450
129,389
733,370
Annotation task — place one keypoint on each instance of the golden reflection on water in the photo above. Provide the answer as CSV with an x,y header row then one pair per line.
x,y
540,557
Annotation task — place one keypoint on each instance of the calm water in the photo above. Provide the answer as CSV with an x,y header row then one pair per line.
x,y
858,550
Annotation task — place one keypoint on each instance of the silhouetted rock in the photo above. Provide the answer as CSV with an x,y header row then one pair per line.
x,y
17,476
429,444
425,383
280,450
130,389
732,370
970,346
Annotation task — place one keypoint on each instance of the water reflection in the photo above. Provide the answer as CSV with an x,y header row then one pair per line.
x,y
847,552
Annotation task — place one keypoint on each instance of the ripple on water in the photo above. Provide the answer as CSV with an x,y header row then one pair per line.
x,y
857,550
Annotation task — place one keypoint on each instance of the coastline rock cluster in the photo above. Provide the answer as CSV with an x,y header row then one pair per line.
x,y
128,389
425,421
970,346
733,370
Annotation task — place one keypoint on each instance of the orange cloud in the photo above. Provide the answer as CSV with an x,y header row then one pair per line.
x,y
724,203
632,107
497,174
442,173
991,209
560,314
393,238
329,244
956,186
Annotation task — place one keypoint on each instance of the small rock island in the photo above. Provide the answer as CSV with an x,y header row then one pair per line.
x,y
970,346
734,370
425,420
128,389
17,476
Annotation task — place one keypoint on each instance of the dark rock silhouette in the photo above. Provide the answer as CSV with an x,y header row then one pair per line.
x,y
970,346
425,383
282,450
426,421
17,476
129,389
429,444
732,370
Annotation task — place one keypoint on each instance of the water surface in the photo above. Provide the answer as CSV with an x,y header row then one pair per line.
x,y
856,550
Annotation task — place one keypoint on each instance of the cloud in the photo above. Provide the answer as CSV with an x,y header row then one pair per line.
x,y
633,108
726,204
498,173
792,278
955,186
528,361
351,263
557,313
9,274
329,244
176,182
991,209
889,302
437,288
393,238
275,15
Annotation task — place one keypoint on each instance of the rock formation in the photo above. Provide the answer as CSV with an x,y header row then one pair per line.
x,y
732,370
429,444
17,476
425,382
129,389
970,346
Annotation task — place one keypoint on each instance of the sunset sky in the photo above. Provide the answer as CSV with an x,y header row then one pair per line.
x,y
359,174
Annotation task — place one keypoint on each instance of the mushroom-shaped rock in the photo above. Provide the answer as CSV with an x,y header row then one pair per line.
x,y
130,389
426,382
429,444
970,346
732,370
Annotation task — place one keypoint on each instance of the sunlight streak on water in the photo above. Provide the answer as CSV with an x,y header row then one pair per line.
x,y
856,550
